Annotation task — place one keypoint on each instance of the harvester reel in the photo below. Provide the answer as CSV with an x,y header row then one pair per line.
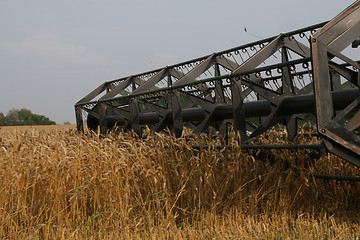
x,y
293,78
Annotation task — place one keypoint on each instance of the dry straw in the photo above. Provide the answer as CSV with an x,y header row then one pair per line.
x,y
64,185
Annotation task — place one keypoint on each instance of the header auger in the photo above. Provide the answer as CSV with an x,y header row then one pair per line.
x,y
307,75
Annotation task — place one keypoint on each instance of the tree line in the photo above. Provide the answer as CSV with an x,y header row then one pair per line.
x,y
16,117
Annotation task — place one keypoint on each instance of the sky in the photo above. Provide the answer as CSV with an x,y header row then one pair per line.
x,y
54,52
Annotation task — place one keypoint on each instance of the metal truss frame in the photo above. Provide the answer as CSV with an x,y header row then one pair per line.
x,y
338,129
294,77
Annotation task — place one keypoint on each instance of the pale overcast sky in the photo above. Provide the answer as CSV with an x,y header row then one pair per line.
x,y
54,52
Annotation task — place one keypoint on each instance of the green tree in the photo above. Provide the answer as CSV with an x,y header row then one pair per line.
x,y
23,116
12,118
2,119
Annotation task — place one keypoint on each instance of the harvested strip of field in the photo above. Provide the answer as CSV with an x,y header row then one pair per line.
x,y
57,183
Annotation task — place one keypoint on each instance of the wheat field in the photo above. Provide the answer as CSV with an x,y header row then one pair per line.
x,y
60,184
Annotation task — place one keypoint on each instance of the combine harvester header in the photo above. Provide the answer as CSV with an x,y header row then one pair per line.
x,y
303,75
